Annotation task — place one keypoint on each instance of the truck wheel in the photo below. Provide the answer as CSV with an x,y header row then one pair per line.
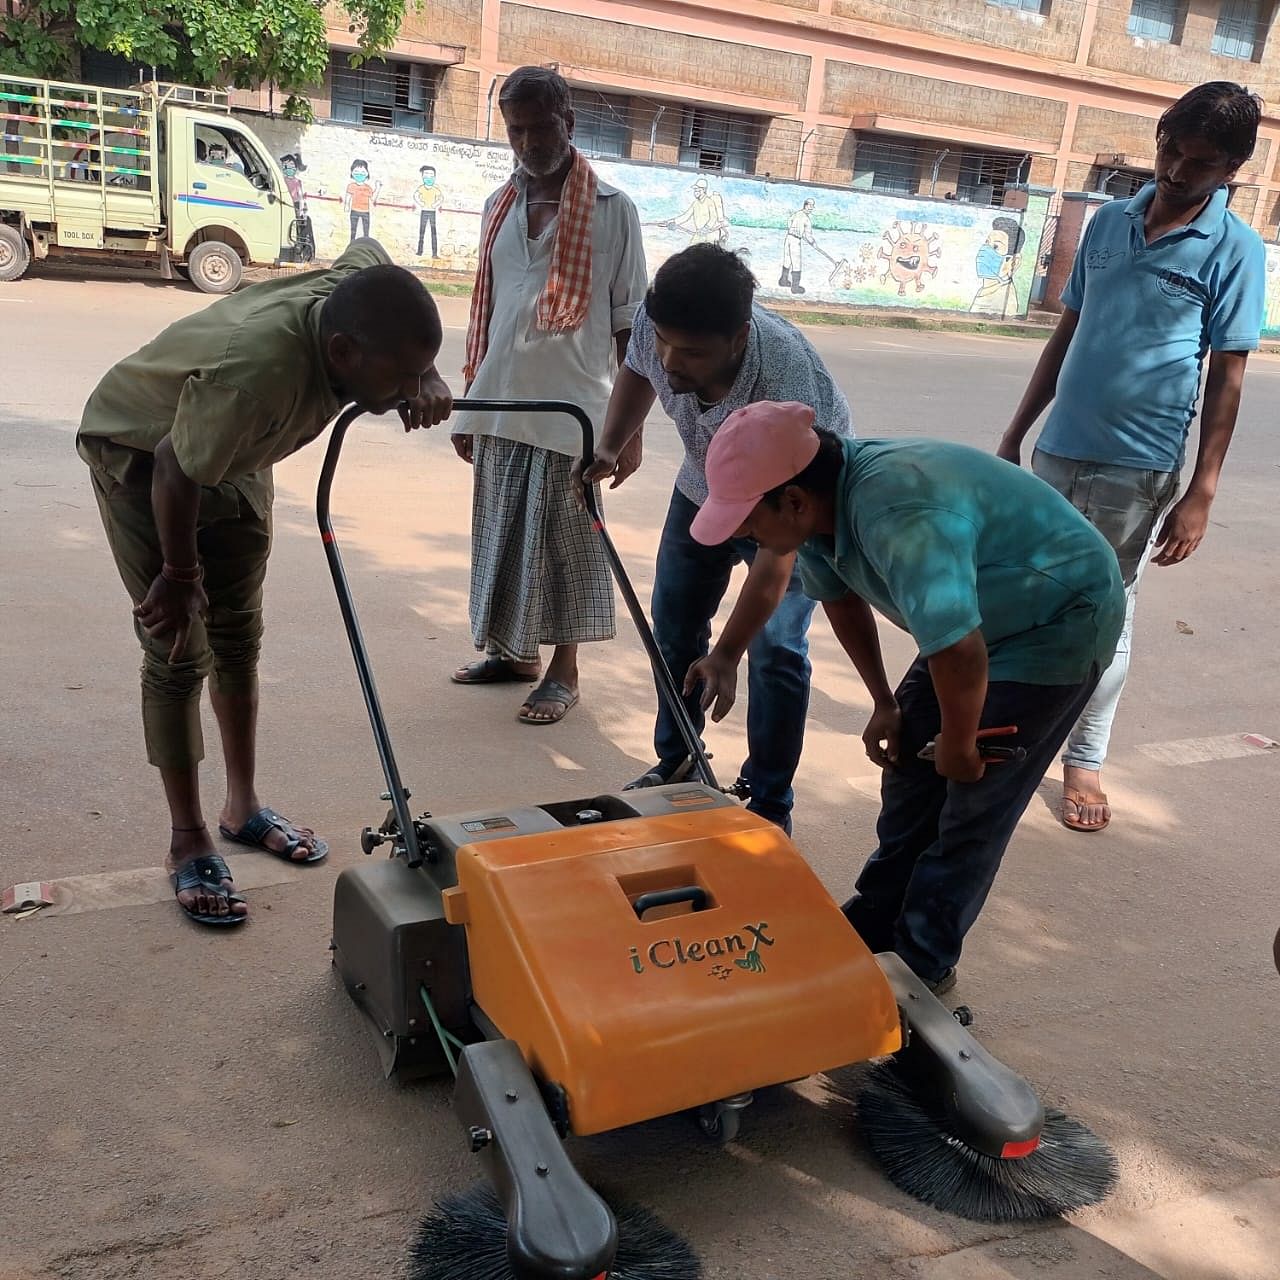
x,y
15,255
215,267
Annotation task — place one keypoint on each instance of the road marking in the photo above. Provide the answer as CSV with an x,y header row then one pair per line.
x,y
1226,746
142,886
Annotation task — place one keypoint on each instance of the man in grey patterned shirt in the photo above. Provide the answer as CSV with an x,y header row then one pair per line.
x,y
702,345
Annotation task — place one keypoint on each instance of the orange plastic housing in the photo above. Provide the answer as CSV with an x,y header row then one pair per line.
x,y
638,1018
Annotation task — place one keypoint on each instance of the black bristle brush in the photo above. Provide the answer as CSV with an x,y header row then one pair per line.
x,y
464,1237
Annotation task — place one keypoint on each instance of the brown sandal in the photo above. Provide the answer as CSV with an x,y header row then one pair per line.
x,y
1073,803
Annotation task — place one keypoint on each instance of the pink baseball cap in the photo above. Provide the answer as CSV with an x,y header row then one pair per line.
x,y
754,450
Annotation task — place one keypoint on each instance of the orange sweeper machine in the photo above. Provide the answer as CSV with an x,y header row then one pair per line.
x,y
587,964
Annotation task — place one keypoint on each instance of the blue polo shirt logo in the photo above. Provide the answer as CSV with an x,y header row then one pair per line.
x,y
1177,284
1098,258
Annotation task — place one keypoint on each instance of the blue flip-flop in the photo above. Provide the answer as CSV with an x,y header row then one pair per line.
x,y
207,873
255,831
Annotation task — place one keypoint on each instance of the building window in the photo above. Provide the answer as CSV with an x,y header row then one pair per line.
x,y
1158,20
1240,29
602,124
892,168
719,140
383,95
984,175
1023,6
1121,183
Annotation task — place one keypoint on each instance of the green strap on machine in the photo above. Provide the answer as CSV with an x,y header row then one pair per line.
x,y
447,1042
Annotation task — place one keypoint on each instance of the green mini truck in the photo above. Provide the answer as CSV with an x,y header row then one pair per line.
x,y
162,171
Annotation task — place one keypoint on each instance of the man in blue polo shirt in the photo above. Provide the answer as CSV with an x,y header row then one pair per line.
x,y
704,347
1013,599
1159,281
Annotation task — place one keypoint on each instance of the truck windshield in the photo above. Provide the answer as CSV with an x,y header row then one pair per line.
x,y
227,148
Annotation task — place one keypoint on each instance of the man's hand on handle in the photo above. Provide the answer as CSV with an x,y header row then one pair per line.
x,y
431,406
607,465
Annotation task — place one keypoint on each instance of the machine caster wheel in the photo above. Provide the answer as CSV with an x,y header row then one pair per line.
x,y
963,1015
721,1121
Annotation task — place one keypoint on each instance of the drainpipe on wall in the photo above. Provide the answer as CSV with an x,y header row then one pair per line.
x,y
804,142
488,120
653,133
937,164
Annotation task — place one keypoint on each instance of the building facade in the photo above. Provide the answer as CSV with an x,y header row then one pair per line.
x,y
960,100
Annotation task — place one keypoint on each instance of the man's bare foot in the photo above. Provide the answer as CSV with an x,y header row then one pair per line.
x,y
1084,803
184,848
276,836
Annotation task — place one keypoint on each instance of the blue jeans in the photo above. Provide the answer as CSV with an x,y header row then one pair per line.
x,y
1126,505
690,583
941,843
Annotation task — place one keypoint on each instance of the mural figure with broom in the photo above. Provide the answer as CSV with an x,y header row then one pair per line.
x,y
705,218
799,234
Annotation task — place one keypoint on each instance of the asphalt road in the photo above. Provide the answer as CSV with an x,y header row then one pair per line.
x,y
180,1104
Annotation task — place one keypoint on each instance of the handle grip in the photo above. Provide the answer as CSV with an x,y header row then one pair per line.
x,y
692,894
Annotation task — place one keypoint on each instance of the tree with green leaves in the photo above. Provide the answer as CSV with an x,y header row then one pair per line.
x,y
240,43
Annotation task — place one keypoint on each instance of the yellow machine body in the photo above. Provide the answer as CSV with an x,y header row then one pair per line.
x,y
636,1017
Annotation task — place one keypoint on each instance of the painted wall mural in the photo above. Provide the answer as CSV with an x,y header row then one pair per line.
x,y
1271,321
422,196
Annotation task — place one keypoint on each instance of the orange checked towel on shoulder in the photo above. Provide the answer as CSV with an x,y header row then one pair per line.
x,y
563,303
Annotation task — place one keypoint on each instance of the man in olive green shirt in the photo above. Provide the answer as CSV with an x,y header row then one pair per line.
x,y
180,439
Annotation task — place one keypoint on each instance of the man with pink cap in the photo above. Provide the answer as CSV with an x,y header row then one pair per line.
x,y
1013,597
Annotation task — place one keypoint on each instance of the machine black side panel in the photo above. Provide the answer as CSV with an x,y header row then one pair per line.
x,y
989,1105
390,938
557,1227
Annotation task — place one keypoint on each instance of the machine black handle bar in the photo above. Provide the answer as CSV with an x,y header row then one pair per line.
x,y
667,687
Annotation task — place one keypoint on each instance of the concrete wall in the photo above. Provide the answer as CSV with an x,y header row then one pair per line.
x,y
1188,61
1053,34
852,89
872,250
594,44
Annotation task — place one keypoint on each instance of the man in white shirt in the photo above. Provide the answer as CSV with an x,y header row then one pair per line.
x,y
561,273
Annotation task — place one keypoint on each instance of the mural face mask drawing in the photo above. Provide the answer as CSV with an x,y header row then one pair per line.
x,y
990,263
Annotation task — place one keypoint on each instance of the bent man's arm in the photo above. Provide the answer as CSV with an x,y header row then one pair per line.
x,y
766,584
959,674
855,627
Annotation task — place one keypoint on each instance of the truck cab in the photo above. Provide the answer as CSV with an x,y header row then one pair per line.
x,y
227,201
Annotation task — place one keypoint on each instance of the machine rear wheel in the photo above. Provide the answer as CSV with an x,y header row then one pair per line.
x,y
721,1121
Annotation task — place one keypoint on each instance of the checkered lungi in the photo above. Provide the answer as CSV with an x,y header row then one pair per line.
x,y
538,570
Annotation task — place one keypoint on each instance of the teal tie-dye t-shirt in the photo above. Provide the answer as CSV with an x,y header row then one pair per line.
x,y
942,539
